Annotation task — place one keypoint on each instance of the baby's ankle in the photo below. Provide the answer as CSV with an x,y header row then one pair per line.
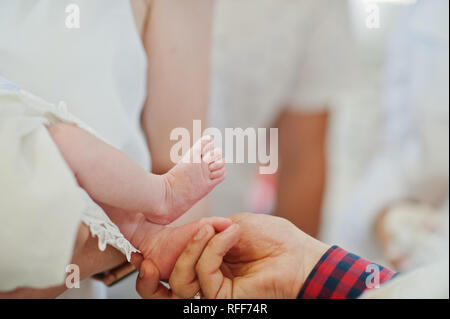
x,y
165,202
167,182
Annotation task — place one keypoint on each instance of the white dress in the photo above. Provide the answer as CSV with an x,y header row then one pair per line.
x,y
99,72
269,55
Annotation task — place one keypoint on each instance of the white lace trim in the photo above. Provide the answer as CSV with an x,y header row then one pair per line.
x,y
99,223
106,231
109,234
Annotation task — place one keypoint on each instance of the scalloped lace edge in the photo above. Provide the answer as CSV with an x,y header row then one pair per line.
x,y
109,234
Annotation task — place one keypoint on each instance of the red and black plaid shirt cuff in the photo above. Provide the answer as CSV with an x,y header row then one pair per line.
x,y
340,275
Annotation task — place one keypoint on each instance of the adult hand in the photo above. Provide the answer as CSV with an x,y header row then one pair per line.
x,y
259,256
158,243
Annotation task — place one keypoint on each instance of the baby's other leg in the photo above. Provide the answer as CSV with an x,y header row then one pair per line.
x,y
108,175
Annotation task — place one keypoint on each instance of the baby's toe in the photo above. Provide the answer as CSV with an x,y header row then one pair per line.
x,y
205,141
207,150
214,166
195,154
199,146
213,156
217,174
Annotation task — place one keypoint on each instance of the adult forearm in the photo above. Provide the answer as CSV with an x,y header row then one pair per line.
x,y
177,41
300,196
302,169
93,261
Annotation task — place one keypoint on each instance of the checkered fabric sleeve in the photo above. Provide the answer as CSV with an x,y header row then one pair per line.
x,y
342,275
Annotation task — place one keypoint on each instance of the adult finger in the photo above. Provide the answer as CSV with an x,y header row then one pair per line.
x,y
148,285
185,232
183,279
208,269
179,237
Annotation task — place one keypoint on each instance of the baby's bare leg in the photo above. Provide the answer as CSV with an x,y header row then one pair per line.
x,y
108,175
111,177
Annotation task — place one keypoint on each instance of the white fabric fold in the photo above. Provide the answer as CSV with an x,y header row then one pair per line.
x,y
41,204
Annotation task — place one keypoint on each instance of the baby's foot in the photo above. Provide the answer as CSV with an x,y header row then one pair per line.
x,y
200,170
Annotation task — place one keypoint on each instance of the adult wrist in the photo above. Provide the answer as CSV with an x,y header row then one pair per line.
x,y
309,251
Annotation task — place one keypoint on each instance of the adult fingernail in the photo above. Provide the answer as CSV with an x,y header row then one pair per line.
x,y
200,234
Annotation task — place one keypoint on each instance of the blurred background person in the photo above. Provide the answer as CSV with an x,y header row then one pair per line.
x,y
272,64
279,64
320,73
314,70
405,188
